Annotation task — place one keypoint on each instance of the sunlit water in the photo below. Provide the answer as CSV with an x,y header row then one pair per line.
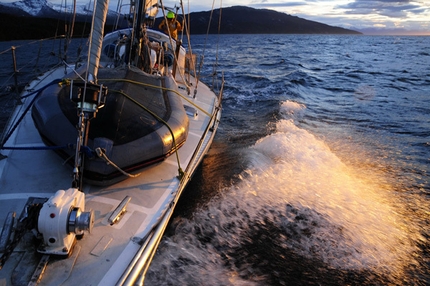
x,y
319,174
320,170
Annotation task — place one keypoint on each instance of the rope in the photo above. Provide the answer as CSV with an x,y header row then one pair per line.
x,y
175,58
209,25
206,39
7,136
162,88
69,146
103,156
32,42
181,172
219,32
190,51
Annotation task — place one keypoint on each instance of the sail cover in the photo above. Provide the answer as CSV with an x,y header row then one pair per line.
x,y
99,19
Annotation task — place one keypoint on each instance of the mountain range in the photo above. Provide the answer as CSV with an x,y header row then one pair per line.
x,y
42,9
30,19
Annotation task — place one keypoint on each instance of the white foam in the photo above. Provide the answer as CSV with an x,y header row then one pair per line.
x,y
307,175
292,110
322,208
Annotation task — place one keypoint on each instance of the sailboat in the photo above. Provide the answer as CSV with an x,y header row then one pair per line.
x,y
98,154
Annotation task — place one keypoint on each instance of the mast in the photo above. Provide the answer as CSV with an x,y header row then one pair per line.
x,y
96,39
146,13
138,25
90,96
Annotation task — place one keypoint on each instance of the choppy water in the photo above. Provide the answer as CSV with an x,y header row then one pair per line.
x,y
32,58
319,173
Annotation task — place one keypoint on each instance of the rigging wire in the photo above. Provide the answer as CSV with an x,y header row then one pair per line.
x,y
118,11
176,92
29,69
218,41
190,51
206,40
83,39
175,57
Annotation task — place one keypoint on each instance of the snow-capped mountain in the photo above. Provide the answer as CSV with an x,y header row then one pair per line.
x,y
32,7
43,8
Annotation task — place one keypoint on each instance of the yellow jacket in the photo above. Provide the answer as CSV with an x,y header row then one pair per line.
x,y
174,27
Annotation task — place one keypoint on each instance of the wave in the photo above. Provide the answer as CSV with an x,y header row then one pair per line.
x,y
297,207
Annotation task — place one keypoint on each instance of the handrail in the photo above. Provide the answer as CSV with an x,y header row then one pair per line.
x,y
181,172
142,260
136,270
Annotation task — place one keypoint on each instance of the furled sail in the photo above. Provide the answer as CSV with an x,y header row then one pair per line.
x,y
151,9
99,19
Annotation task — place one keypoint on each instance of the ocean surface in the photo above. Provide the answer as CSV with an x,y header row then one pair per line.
x,y
320,170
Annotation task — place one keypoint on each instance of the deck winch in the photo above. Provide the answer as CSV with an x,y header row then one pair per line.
x,y
61,219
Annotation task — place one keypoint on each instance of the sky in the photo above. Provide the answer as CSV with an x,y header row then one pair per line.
x,y
366,15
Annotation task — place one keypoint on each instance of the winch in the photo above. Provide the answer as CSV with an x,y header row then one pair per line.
x,y
61,219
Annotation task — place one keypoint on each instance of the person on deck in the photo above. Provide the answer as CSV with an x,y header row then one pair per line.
x,y
172,25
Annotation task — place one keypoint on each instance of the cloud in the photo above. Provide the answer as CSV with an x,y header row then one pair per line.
x,y
354,14
266,4
389,8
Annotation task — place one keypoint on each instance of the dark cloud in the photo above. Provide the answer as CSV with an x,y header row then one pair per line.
x,y
390,8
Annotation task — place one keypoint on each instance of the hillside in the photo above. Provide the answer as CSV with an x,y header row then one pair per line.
x,y
246,20
235,20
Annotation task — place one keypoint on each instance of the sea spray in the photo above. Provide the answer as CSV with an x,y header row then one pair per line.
x,y
306,174
297,214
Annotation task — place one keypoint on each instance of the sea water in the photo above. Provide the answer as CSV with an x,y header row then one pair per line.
x,y
319,173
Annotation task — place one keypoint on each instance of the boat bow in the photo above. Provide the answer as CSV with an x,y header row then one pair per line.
x,y
129,134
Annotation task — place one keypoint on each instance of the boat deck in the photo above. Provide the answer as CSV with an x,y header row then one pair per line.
x,y
100,257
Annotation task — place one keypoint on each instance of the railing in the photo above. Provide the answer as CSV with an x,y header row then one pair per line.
x,y
136,271
23,61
